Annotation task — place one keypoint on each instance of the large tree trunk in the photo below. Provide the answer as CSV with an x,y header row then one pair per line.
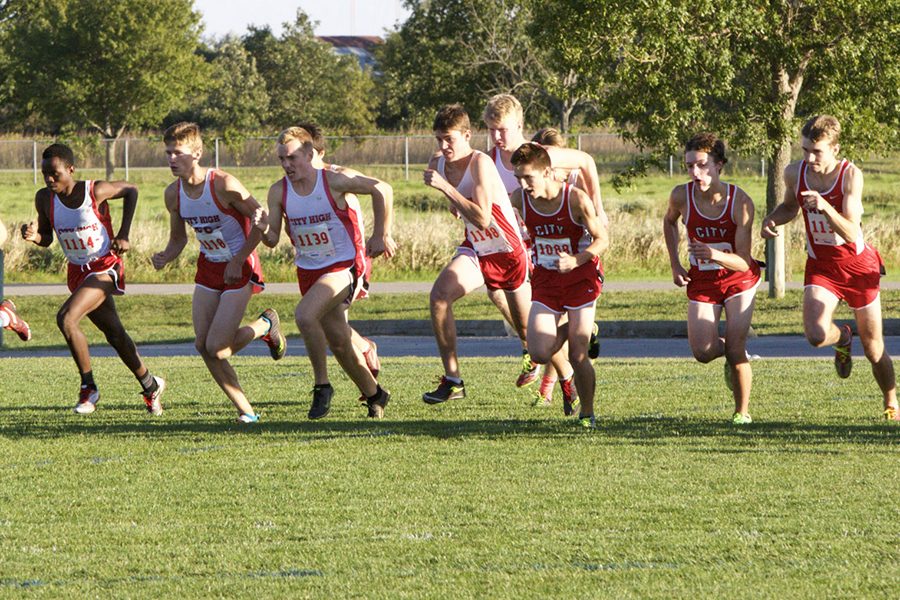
x,y
110,158
774,194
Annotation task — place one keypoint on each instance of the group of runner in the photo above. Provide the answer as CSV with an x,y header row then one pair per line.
x,y
534,231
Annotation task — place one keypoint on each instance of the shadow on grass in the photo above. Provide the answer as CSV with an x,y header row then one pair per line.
x,y
650,431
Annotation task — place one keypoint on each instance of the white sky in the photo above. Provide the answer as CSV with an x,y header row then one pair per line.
x,y
335,17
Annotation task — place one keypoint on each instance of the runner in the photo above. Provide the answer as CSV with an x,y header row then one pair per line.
x,y
9,316
367,347
78,213
493,253
718,217
226,220
567,281
324,223
840,264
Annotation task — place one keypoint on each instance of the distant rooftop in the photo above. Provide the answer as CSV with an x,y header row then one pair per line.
x,y
360,46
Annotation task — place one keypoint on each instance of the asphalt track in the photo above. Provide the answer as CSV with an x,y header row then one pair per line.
x,y
424,346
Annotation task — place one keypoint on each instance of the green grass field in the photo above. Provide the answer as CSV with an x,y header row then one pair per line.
x,y
158,319
485,497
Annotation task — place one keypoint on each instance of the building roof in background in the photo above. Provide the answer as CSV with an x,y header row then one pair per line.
x,y
360,46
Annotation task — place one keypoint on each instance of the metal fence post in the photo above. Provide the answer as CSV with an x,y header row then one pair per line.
x,y
126,159
34,159
217,154
406,156
578,141
762,168
671,166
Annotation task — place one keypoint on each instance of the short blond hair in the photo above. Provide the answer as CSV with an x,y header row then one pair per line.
x,y
822,127
298,134
184,133
500,107
549,136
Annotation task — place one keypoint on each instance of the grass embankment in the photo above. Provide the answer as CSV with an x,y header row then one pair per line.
x,y
157,319
485,497
427,234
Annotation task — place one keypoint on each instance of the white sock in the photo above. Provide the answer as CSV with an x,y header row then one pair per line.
x,y
4,319
455,380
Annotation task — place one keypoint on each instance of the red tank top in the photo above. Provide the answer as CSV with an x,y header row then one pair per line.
x,y
822,242
717,232
551,234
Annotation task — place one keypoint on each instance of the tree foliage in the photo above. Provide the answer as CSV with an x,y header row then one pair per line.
x,y
467,50
237,102
306,80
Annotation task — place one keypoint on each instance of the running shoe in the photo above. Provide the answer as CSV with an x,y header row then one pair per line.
x,y
376,405
372,360
729,374
544,396
246,419
321,401
588,422
892,413
274,339
16,323
529,372
151,401
570,395
446,390
594,343
88,398
741,419
843,362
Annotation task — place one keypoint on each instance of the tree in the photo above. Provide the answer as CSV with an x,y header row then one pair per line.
x,y
467,50
237,101
105,64
746,70
306,80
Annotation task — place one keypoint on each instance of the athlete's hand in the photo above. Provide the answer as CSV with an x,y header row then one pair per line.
x,y
433,179
813,200
680,276
233,271
30,232
377,246
699,250
769,229
260,219
566,262
120,245
159,260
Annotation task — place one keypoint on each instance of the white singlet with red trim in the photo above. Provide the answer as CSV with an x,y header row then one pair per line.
x,y
508,177
84,233
221,232
323,234
502,234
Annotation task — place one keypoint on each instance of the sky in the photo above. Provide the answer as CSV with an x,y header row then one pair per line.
x,y
335,17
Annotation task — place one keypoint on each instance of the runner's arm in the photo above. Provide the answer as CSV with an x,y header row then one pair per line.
x,y
177,233
789,207
41,232
353,182
273,232
107,190
670,233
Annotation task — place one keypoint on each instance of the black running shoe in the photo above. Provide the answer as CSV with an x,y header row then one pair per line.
x,y
321,402
274,339
446,390
376,405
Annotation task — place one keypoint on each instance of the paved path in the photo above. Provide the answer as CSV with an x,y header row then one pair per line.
x,y
764,347
396,287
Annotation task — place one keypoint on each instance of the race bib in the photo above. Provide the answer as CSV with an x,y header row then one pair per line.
x,y
313,241
81,246
213,245
547,250
488,240
821,230
709,265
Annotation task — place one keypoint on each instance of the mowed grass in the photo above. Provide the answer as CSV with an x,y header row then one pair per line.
x,y
484,497
158,319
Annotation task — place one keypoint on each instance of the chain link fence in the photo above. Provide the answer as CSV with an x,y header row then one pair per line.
x,y
404,152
